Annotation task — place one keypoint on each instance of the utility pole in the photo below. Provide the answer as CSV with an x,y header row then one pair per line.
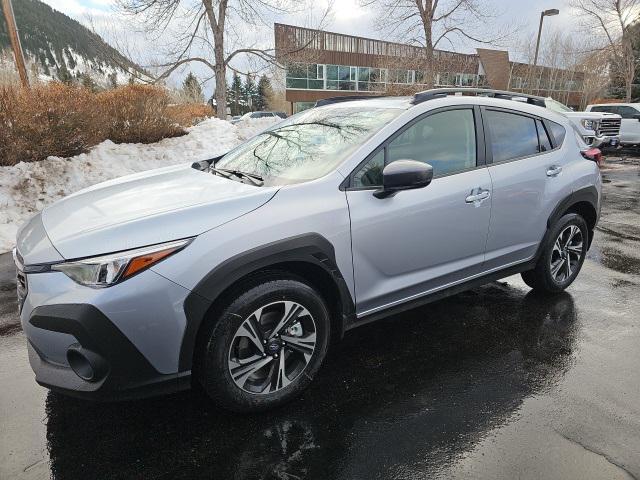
x,y
15,42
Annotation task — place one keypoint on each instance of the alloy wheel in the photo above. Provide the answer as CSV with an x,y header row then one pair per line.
x,y
566,254
272,347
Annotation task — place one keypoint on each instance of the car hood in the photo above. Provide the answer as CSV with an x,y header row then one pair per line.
x,y
147,208
590,115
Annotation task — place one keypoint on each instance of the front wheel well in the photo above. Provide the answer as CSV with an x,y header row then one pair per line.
x,y
316,276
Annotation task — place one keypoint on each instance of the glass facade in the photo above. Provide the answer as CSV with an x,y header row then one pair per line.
x,y
546,83
368,79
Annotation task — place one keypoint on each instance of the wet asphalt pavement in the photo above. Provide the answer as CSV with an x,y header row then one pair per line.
x,y
492,383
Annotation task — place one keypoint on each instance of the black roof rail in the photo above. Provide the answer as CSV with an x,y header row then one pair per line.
x,y
485,92
345,98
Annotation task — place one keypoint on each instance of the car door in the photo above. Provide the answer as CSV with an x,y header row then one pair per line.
x,y
419,241
630,126
526,165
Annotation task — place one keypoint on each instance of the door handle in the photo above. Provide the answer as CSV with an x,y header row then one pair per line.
x,y
477,195
554,171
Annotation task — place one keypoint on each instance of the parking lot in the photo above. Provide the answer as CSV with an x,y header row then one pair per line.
x,y
492,383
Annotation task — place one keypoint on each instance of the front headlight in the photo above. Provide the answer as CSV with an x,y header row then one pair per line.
x,y
590,124
107,270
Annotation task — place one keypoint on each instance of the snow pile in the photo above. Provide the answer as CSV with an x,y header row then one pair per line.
x,y
252,126
27,188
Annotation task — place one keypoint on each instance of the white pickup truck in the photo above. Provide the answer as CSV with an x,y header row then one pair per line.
x,y
597,129
630,113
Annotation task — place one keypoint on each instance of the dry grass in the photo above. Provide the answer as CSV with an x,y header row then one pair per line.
x,y
63,120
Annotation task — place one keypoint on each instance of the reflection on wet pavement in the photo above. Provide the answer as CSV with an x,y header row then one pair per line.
x,y
387,389
493,383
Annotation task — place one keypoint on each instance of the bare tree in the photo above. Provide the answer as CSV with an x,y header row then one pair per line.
x,y
207,26
612,21
433,23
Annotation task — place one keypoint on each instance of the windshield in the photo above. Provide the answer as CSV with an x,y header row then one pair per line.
x,y
308,145
551,104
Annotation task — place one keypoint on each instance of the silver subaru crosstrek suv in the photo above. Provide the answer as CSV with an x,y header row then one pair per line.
x,y
239,271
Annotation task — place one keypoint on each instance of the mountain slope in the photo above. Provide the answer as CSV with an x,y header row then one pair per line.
x,y
61,47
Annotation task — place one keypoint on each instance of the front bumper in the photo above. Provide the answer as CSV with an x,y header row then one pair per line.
x,y
113,343
118,370
602,141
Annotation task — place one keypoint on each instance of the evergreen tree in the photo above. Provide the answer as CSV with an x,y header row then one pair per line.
x,y
191,89
70,60
264,92
63,74
249,94
113,80
234,95
87,82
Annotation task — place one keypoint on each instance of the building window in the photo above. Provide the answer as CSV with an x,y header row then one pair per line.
x,y
466,79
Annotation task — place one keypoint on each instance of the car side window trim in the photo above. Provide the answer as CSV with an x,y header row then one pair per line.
x,y
488,133
480,145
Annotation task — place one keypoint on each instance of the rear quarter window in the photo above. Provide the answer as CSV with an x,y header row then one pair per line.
x,y
558,132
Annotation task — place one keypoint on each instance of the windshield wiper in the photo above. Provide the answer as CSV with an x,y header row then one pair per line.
x,y
252,177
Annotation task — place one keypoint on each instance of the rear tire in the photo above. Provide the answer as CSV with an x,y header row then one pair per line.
x,y
266,346
562,256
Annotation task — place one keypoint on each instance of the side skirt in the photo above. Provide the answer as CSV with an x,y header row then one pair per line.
x,y
447,292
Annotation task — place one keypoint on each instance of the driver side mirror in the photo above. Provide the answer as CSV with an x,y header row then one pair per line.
x,y
637,117
404,175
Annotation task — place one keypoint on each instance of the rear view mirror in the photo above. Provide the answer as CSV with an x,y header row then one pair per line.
x,y
404,175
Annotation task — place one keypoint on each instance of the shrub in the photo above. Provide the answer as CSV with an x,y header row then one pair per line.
x,y
189,114
64,120
46,120
137,114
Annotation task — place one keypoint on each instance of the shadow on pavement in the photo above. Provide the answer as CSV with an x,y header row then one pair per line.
x,y
395,397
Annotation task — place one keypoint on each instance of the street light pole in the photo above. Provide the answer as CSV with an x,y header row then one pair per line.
x,y
546,13
15,42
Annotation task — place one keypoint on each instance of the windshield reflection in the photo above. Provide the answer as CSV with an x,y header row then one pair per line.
x,y
308,145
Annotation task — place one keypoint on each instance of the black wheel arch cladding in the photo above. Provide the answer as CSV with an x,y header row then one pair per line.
x,y
575,202
308,249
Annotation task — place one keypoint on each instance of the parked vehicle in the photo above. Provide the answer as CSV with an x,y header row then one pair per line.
x,y
259,115
630,113
237,272
597,128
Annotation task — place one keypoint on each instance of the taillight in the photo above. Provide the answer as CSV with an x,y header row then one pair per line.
x,y
593,154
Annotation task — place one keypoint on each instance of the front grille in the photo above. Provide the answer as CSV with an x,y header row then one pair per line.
x,y
609,127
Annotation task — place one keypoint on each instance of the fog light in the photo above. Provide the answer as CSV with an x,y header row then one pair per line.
x,y
86,364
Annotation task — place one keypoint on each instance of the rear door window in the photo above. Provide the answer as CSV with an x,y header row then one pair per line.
x,y
512,135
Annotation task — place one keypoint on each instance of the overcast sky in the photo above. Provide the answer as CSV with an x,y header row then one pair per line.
x,y
347,17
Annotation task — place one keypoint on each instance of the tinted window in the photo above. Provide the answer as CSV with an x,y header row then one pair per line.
x,y
445,140
604,108
371,173
627,112
558,133
512,135
543,138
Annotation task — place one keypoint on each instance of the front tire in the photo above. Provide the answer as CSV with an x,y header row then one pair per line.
x,y
562,256
266,345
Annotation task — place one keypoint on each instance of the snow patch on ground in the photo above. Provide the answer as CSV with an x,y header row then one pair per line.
x,y
27,188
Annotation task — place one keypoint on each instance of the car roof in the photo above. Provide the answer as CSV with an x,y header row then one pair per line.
x,y
440,99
